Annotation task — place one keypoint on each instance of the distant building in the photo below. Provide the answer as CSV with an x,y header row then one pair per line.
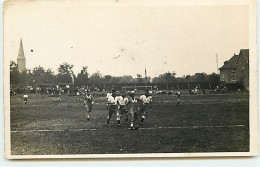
x,y
236,69
228,72
243,68
21,61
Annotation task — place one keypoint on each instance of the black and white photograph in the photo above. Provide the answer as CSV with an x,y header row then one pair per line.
x,y
130,79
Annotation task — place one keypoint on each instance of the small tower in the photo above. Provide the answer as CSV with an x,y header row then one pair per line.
x,y
21,58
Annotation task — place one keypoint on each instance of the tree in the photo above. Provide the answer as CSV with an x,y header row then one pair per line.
x,y
27,78
65,73
108,79
96,78
14,73
42,76
139,78
82,78
214,78
116,79
165,78
187,78
127,79
200,77
65,68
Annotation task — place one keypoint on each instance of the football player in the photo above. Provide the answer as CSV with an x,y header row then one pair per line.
x,y
59,92
88,103
133,104
108,95
122,100
145,105
150,98
25,98
178,95
113,107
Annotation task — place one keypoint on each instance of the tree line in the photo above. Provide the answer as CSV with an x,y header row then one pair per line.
x,y
41,76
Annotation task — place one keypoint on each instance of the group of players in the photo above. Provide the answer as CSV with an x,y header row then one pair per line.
x,y
119,105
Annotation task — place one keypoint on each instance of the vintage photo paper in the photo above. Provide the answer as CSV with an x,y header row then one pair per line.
x,y
130,79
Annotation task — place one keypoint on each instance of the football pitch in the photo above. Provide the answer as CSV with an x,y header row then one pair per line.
x,y
201,123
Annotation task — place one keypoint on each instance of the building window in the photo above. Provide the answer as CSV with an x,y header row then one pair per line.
x,y
233,72
223,77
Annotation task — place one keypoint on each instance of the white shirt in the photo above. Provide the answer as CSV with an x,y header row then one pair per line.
x,y
108,95
178,94
112,100
133,104
145,99
122,100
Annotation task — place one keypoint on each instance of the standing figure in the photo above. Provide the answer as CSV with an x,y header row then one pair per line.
x,y
122,100
113,107
25,98
59,92
108,95
133,104
145,105
178,95
88,102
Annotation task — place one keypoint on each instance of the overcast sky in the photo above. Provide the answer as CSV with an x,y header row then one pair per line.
x,y
124,40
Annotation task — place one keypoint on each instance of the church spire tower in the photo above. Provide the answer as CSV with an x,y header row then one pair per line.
x,y
21,61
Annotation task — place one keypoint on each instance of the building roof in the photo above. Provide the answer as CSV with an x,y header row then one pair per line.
x,y
245,53
231,63
21,52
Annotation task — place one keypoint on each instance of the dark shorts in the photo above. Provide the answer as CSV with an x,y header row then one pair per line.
x,y
122,109
143,109
112,110
89,107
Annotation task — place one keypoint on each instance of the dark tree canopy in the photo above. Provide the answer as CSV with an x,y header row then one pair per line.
x,y
42,76
65,73
65,68
168,80
14,73
82,78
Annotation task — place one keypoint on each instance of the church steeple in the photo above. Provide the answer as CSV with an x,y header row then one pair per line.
x,y
21,58
21,52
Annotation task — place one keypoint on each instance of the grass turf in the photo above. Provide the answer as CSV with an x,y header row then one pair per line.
x,y
201,123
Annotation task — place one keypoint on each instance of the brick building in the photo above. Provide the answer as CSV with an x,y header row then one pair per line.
x,y
236,69
243,68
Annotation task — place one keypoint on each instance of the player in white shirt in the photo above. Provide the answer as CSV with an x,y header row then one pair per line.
x,y
25,98
146,100
108,95
178,95
113,107
88,102
122,101
59,93
150,98
133,104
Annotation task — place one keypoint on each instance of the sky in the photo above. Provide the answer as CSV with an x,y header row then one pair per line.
x,y
125,40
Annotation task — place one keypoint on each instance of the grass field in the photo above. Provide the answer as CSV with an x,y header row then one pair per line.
x,y
201,123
